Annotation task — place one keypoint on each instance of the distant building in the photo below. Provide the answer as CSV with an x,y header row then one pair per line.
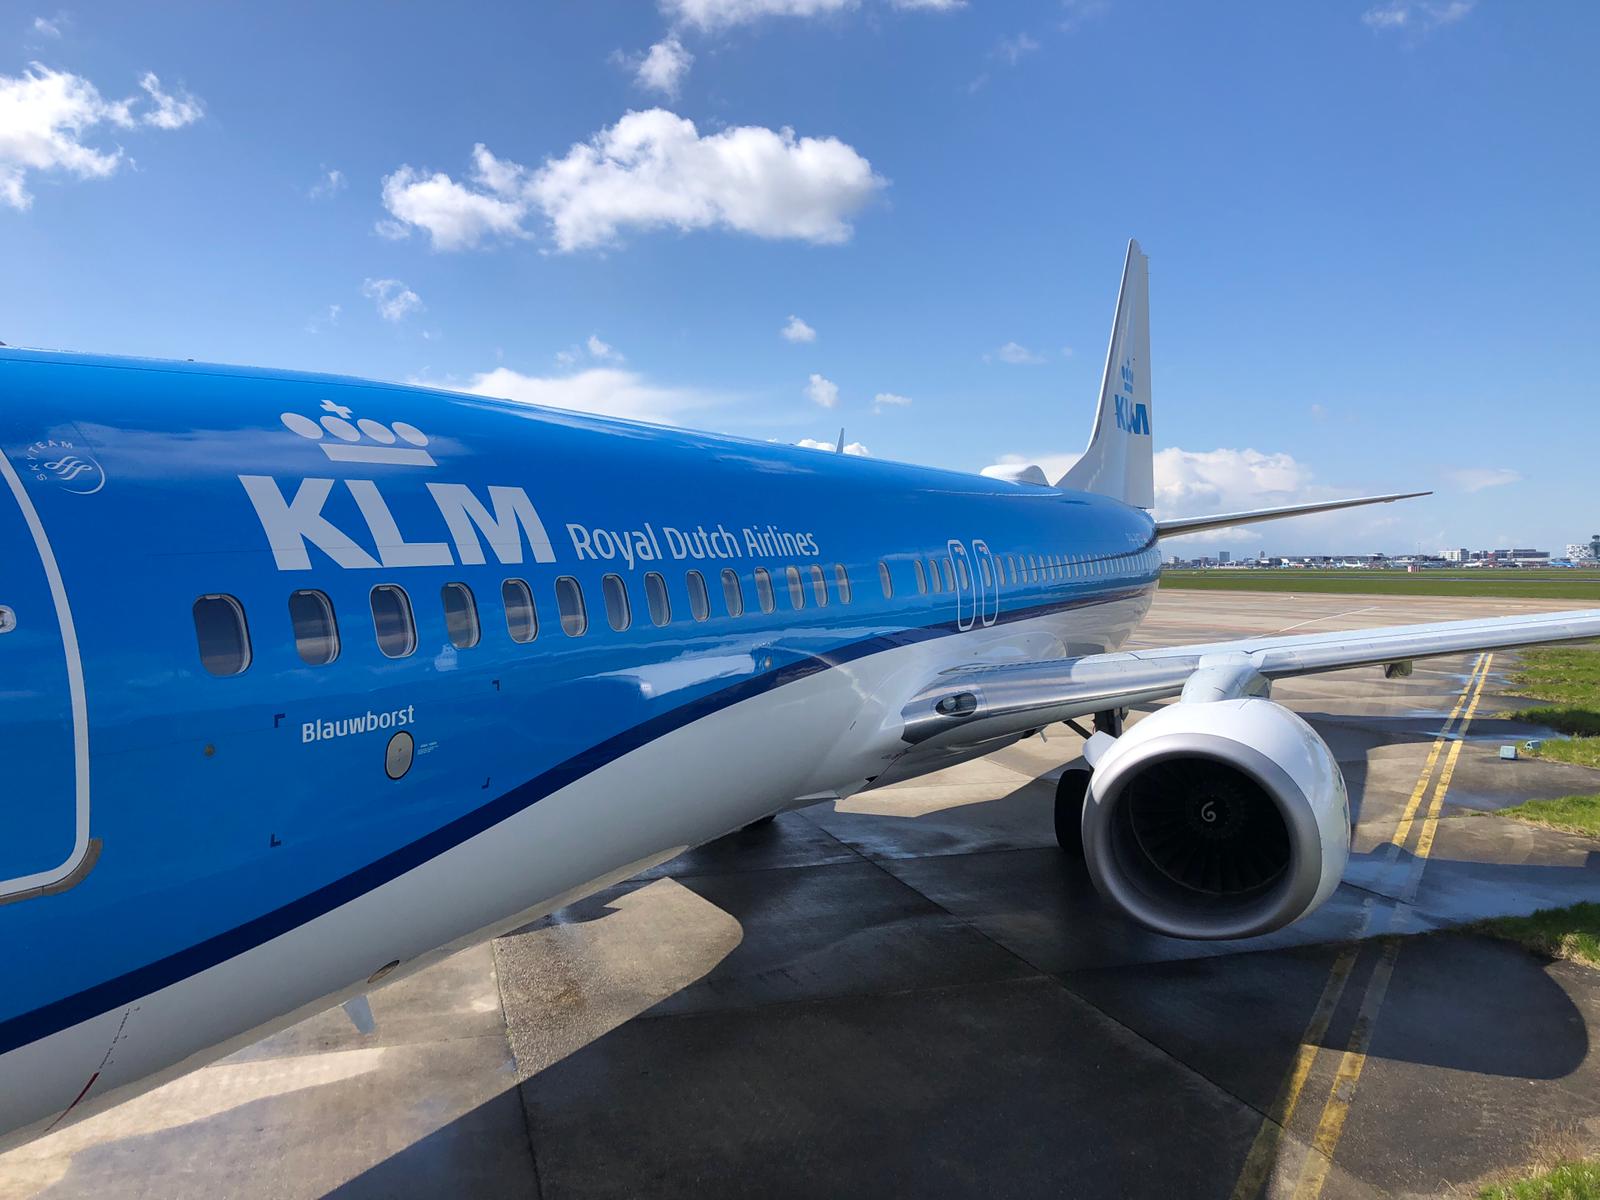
x,y
1456,555
1224,556
1580,552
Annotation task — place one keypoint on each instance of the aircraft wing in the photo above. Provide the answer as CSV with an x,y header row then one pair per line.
x,y
969,705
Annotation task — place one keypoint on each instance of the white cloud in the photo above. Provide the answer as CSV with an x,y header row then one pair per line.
x,y
855,448
457,217
1419,16
602,350
797,330
330,183
394,299
724,14
604,391
654,169
663,67
651,169
1475,479
327,320
1011,50
48,27
1193,483
170,112
45,116
1008,50
822,391
1017,355
885,400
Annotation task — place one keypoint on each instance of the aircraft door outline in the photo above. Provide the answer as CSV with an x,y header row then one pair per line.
x,y
965,581
988,582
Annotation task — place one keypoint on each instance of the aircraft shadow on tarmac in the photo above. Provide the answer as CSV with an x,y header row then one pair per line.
x,y
1058,1032
1140,1052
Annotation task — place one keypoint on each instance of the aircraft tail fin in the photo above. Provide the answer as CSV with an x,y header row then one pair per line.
x,y
1120,459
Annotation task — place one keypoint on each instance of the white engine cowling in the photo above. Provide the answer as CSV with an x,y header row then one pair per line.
x,y
1223,819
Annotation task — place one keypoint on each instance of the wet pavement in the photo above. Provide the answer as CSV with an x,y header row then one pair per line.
x,y
914,992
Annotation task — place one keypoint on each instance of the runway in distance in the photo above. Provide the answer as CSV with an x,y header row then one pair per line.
x,y
310,681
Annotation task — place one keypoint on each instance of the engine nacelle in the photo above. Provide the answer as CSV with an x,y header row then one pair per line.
x,y
1223,819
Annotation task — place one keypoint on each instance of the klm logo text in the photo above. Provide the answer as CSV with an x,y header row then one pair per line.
x,y
293,523
1131,417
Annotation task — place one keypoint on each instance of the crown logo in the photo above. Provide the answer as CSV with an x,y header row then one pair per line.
x,y
365,441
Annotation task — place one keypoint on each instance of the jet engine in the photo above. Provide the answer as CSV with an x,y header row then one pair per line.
x,y
1222,819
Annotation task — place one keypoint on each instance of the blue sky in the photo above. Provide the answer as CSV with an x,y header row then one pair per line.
x,y
1371,225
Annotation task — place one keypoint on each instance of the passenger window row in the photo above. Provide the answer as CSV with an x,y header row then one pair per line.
x,y
223,634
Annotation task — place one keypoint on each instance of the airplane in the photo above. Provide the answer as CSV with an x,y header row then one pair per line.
x,y
311,681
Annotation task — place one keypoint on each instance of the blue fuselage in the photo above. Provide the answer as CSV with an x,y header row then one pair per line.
x,y
224,808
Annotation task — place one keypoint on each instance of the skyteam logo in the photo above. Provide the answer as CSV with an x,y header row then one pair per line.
x,y
365,441
67,466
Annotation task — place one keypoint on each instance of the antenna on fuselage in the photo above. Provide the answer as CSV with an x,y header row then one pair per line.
x,y
839,449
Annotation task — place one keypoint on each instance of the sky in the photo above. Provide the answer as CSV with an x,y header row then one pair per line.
x,y
1371,226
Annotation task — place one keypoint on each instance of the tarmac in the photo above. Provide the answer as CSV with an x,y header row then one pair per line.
x,y
913,992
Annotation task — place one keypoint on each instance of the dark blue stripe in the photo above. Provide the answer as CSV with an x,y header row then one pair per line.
x,y
126,988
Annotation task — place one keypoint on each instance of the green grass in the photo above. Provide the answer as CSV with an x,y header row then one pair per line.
x,y
1571,933
1573,814
1532,584
1568,679
1580,752
1568,1181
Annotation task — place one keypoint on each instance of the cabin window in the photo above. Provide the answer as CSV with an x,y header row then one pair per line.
x,y
933,576
764,590
699,599
1033,568
983,570
963,574
819,585
460,615
522,620
732,592
316,633
797,590
922,576
885,581
841,580
392,622
946,570
619,613
569,603
221,632
656,598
